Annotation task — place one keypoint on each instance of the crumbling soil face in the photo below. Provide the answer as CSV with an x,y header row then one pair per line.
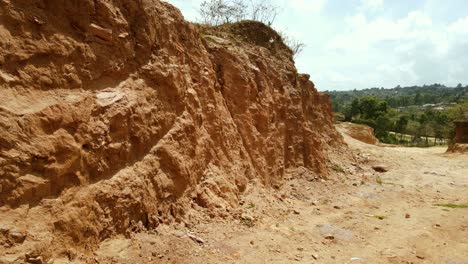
x,y
117,116
356,213
458,148
360,132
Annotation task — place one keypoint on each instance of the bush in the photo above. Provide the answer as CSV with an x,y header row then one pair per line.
x,y
217,12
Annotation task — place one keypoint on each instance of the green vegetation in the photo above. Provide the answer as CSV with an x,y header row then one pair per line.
x,y
450,205
337,168
413,116
380,217
379,180
226,12
404,96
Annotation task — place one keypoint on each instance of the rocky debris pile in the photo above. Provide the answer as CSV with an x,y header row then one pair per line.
x,y
118,115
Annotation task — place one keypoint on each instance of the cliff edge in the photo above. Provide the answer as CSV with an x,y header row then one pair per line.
x,y
115,114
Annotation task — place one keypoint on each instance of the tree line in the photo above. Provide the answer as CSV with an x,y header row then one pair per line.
x,y
412,125
404,96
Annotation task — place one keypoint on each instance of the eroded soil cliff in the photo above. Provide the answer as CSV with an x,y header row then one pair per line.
x,y
119,115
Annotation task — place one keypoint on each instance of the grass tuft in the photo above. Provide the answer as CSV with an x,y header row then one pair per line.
x,y
379,180
451,205
380,217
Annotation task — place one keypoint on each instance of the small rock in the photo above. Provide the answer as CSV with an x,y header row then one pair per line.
x,y
17,236
296,212
330,237
314,203
300,248
100,32
247,217
35,260
336,207
38,21
420,257
252,242
315,256
380,168
407,215
123,35
195,238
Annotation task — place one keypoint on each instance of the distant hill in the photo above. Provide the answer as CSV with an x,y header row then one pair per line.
x,y
403,96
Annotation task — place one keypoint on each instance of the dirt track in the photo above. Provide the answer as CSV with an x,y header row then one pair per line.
x,y
289,228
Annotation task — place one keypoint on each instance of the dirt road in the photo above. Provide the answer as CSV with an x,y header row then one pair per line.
x,y
357,216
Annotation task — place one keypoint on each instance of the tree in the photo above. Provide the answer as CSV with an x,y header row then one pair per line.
x,y
401,124
355,108
383,125
216,12
371,107
425,129
417,98
261,10
295,45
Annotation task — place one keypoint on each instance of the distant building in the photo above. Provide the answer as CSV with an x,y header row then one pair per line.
x,y
461,132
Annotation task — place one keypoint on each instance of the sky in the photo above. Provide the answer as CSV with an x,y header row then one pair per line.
x,y
356,44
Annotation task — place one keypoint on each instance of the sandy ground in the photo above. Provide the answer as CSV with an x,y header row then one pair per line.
x,y
357,216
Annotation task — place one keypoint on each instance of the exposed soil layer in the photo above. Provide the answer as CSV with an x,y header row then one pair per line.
x,y
414,213
360,132
458,148
119,116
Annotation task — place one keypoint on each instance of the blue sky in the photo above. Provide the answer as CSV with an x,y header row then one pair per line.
x,y
374,43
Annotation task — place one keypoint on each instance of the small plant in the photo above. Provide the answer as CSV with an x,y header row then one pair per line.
x,y
453,206
380,217
251,205
337,168
379,180
247,222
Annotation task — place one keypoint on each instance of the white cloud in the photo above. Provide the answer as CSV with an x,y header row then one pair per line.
x,y
372,5
189,8
414,50
314,6
460,26
362,34
380,43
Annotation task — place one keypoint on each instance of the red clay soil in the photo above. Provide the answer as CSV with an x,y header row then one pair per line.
x,y
119,115
360,132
